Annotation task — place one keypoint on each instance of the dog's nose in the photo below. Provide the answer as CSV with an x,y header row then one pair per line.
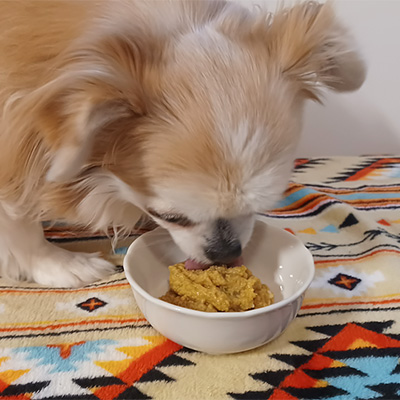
x,y
223,252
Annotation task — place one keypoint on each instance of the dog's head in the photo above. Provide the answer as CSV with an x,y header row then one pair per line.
x,y
199,116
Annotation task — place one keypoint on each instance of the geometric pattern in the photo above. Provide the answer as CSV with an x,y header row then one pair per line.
x,y
345,281
138,364
349,221
94,343
372,168
301,165
141,366
91,304
351,361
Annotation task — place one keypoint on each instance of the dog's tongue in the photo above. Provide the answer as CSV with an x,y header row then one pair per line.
x,y
192,264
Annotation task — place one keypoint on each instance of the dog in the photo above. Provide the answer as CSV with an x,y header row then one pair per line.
x,y
187,111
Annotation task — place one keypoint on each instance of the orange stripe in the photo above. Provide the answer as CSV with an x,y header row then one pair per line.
x,y
350,303
147,361
373,201
313,199
355,298
114,317
298,208
389,189
294,187
57,326
109,392
365,171
29,291
361,258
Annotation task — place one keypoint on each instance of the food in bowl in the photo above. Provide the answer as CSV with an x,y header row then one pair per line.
x,y
274,255
216,289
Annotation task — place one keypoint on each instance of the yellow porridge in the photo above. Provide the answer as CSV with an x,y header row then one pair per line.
x,y
217,288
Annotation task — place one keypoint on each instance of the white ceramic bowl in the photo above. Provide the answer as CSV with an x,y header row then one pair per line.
x,y
275,256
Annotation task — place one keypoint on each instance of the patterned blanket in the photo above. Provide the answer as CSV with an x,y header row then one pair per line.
x,y
93,342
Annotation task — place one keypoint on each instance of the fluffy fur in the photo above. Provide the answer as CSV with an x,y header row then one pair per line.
x,y
188,111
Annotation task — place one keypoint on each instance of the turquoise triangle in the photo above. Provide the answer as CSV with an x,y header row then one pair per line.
x,y
330,228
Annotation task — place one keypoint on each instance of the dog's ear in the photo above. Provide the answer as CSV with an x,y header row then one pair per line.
x,y
100,81
313,49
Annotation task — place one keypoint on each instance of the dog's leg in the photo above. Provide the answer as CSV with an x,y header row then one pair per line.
x,y
25,254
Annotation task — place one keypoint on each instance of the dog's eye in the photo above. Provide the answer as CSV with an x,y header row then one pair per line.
x,y
177,219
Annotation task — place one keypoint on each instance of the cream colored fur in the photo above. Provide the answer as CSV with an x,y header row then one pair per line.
x,y
185,110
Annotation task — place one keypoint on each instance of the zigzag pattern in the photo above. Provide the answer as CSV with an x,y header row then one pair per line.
x,y
353,361
303,201
119,379
304,164
364,168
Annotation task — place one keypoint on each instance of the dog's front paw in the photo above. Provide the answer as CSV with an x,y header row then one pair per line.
x,y
63,268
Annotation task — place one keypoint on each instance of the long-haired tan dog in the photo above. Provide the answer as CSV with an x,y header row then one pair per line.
x,y
187,111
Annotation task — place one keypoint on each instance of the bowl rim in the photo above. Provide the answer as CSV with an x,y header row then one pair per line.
x,y
222,315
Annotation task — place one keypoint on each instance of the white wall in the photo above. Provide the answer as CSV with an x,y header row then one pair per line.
x,y
367,121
